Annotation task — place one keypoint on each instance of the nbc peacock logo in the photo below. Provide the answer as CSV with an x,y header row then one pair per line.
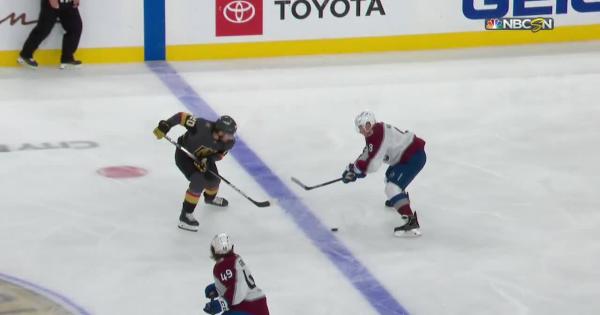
x,y
493,24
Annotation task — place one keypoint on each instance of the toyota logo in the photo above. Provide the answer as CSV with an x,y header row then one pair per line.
x,y
239,11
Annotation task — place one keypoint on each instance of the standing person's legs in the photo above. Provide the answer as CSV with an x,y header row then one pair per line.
x,y
44,26
71,22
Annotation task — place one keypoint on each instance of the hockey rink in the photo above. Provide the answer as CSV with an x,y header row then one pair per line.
x,y
507,200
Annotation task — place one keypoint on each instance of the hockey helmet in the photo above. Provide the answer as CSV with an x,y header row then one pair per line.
x,y
363,118
226,124
221,244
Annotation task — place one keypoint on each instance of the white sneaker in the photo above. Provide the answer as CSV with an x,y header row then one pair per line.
x,y
75,64
27,62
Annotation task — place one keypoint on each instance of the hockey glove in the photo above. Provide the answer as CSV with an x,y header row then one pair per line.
x,y
201,165
162,129
351,174
216,306
211,291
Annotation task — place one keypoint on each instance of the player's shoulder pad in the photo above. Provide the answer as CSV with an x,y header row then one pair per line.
x,y
203,124
377,136
379,127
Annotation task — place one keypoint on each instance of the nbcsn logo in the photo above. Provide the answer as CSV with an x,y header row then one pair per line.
x,y
518,24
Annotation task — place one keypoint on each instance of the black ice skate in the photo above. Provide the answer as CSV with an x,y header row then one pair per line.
x,y
216,201
410,229
188,222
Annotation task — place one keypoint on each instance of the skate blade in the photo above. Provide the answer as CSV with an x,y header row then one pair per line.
x,y
408,234
216,205
187,227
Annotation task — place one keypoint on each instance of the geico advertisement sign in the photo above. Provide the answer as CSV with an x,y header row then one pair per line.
x,y
486,9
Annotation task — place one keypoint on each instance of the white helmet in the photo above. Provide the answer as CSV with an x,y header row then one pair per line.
x,y
363,118
221,244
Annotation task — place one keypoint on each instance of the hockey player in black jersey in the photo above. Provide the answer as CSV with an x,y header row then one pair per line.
x,y
209,141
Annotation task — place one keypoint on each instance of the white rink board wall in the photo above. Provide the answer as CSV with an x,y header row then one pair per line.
x,y
106,23
193,22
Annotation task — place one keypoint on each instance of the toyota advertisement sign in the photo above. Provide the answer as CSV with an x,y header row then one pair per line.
x,y
239,17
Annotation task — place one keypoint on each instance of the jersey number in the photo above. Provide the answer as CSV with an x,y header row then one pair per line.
x,y
249,280
190,121
226,275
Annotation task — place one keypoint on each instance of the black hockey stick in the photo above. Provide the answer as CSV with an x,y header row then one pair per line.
x,y
260,204
297,181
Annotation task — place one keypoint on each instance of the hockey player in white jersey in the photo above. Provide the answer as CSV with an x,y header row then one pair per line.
x,y
403,152
234,291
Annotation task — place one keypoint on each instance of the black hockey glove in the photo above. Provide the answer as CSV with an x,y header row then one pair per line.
x,y
351,174
201,165
162,129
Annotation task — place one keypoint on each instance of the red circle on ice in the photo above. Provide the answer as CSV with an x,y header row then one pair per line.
x,y
122,171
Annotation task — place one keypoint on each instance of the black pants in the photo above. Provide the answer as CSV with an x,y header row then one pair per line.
x,y
198,181
70,21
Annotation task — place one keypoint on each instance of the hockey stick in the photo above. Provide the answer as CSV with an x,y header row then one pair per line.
x,y
260,204
297,181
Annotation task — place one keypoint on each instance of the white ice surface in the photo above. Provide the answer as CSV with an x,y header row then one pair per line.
x,y
507,201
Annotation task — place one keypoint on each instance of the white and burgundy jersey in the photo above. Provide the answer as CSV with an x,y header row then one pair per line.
x,y
236,285
389,145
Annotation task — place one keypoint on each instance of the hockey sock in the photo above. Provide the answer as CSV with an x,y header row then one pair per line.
x,y
210,194
402,204
190,202
405,210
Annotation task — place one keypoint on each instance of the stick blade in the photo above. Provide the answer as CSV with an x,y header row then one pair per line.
x,y
262,204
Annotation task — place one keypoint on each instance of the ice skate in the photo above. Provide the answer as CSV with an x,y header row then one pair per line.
x,y
188,222
216,201
410,229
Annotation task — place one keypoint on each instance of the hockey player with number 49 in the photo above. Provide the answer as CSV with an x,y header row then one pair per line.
x,y
403,151
234,291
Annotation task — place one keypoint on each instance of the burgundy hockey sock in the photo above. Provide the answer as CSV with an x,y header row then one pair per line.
x,y
405,210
